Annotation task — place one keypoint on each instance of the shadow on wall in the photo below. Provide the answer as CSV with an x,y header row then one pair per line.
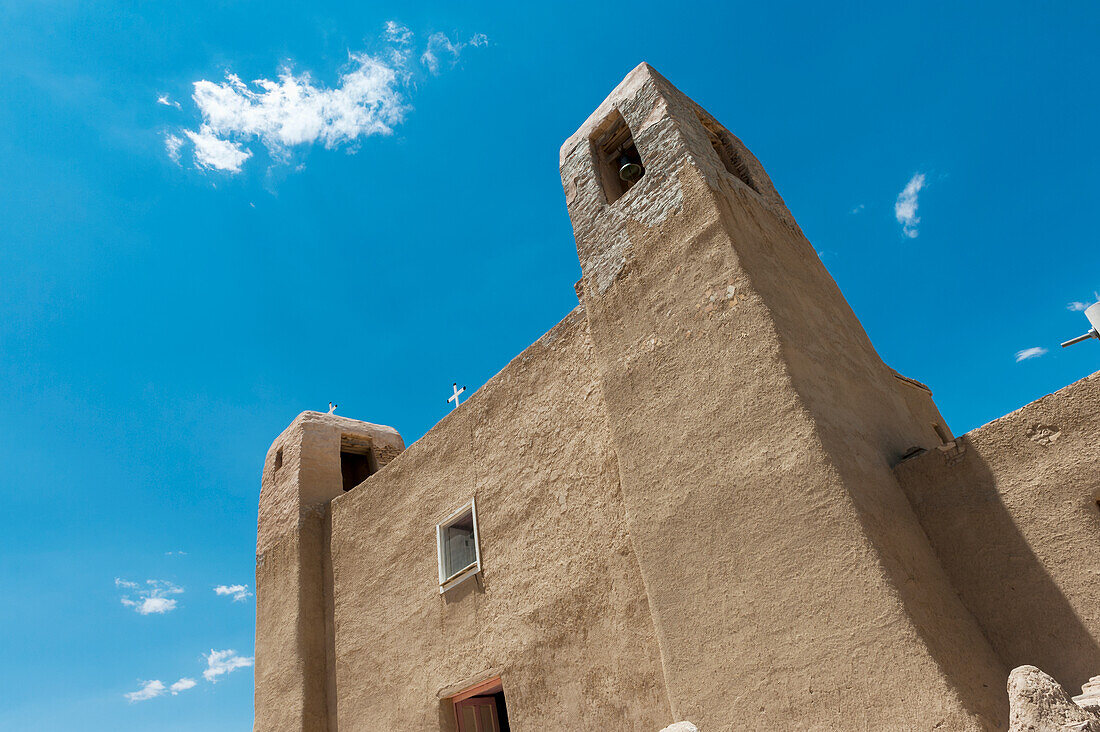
x,y
1021,608
953,546
862,422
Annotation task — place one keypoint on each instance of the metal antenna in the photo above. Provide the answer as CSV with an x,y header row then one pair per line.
x,y
1092,312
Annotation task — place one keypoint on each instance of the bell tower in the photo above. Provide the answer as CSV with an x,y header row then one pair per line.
x,y
756,427
317,458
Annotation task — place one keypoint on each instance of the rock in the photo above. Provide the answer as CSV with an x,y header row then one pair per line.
x,y
1089,699
1037,703
681,727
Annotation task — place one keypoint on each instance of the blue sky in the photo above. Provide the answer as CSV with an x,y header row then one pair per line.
x,y
377,224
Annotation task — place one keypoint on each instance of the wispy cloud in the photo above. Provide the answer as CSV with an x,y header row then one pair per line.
x,y
148,690
441,47
152,598
1027,353
857,209
172,144
182,685
291,111
223,662
155,688
240,593
397,33
905,208
176,554
214,153
163,99
1080,307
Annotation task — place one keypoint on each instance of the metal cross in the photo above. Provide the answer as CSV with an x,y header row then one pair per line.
x,y
454,397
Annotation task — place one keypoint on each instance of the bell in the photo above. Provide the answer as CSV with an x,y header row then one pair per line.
x,y
628,171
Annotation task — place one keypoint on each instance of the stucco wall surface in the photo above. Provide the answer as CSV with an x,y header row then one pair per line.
x,y
293,577
690,500
1012,515
559,611
755,426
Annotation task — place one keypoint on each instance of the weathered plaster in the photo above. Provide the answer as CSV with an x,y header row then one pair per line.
x,y
688,501
761,450
559,611
1012,515
294,638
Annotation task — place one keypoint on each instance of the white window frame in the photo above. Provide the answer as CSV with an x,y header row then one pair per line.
x,y
446,583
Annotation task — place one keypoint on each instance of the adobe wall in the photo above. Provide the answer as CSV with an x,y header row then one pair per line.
x,y
1012,515
559,612
293,578
756,428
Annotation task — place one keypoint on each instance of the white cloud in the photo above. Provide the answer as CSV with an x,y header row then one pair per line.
x,y
151,599
905,208
173,144
291,111
214,153
176,553
182,685
239,592
857,209
439,45
148,690
1030,353
397,33
1080,307
222,662
163,99
155,688
157,605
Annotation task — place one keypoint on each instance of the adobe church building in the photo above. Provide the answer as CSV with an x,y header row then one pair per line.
x,y
702,496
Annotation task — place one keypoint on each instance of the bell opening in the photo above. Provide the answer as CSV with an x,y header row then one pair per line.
x,y
616,156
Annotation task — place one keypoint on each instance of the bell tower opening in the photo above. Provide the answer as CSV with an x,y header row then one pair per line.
x,y
357,461
617,157
723,143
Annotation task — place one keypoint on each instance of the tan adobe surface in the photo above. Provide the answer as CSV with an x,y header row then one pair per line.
x,y
701,496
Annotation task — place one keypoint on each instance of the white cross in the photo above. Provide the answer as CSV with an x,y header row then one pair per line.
x,y
454,397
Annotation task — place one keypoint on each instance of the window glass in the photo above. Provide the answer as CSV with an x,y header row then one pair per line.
x,y
458,546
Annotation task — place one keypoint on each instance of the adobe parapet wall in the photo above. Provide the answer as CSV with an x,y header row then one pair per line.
x,y
559,612
1011,512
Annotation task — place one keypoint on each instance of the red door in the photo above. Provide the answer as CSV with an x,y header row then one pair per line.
x,y
477,714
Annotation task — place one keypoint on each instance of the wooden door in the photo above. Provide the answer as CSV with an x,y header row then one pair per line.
x,y
477,714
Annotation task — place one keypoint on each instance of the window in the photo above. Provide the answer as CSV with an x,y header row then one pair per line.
x,y
617,157
357,461
723,143
457,542
481,708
